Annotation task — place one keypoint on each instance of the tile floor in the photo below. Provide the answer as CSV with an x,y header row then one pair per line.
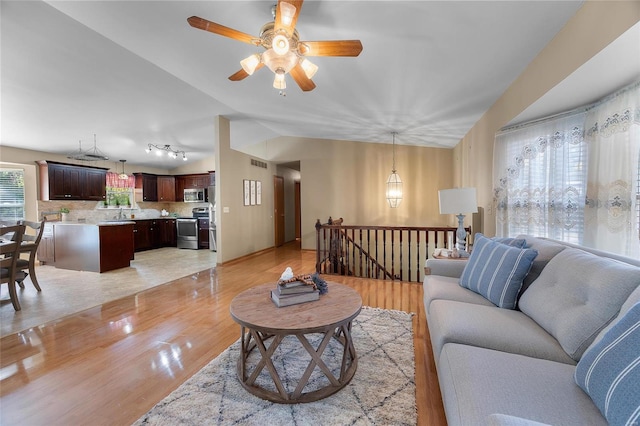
x,y
65,292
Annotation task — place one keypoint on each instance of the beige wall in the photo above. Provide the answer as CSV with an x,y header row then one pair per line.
x,y
593,27
347,179
242,229
205,165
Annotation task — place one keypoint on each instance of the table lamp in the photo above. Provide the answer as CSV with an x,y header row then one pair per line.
x,y
459,201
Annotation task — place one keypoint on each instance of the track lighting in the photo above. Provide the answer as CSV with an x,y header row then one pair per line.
x,y
160,150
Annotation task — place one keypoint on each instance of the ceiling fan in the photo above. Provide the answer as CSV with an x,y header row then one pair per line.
x,y
284,51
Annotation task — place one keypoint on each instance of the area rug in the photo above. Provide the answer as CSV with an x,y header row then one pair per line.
x,y
382,392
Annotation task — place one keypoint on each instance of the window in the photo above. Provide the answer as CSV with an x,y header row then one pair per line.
x,y
11,194
541,180
574,177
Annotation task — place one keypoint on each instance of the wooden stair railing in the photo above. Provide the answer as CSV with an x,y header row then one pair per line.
x,y
381,252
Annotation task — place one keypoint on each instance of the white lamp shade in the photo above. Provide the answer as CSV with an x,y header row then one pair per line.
x,y
249,64
458,201
279,82
287,11
309,68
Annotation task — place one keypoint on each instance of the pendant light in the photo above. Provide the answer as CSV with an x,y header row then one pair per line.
x,y
123,175
394,183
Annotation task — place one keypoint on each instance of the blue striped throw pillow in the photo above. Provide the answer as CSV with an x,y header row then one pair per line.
x,y
514,242
609,371
496,271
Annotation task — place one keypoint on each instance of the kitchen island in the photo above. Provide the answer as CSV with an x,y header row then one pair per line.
x,y
98,247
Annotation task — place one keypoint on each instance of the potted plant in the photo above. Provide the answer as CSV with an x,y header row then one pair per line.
x,y
64,212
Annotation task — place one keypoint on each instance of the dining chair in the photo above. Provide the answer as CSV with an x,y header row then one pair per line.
x,y
30,245
9,252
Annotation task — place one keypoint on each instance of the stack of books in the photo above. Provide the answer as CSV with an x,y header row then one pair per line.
x,y
294,292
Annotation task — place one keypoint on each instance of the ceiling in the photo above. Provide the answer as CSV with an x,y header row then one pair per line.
x,y
134,72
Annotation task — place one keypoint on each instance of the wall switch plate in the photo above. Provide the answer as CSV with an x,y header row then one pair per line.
x,y
225,210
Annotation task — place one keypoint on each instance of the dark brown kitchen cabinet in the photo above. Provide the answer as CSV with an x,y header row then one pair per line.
x,y
154,233
166,188
148,183
60,181
180,188
95,185
142,235
203,233
168,233
199,181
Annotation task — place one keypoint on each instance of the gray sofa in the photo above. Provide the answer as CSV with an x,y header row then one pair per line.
x,y
501,366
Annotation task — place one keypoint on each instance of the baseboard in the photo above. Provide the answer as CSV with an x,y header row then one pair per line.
x,y
246,256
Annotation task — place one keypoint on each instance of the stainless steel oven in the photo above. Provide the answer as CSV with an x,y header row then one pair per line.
x,y
187,233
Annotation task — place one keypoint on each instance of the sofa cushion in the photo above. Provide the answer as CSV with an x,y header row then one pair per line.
x,y
445,267
493,328
631,300
437,287
609,371
546,251
497,419
477,382
577,295
496,271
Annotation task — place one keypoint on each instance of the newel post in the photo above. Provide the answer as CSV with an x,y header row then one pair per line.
x,y
318,226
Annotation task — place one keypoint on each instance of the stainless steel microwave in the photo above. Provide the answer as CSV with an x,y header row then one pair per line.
x,y
194,196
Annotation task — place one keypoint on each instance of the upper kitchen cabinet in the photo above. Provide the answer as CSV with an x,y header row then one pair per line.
x,y
148,183
166,188
195,181
199,181
60,181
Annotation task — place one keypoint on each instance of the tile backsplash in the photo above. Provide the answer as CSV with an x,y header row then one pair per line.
x,y
94,211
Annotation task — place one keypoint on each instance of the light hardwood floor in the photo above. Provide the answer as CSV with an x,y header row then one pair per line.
x,y
111,363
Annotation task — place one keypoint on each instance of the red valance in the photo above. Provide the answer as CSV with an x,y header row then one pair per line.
x,y
114,181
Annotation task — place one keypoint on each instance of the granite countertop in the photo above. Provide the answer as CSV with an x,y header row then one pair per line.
x,y
100,223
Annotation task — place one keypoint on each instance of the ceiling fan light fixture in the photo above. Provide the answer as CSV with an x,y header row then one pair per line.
x,y
250,63
277,62
309,68
287,11
280,44
279,81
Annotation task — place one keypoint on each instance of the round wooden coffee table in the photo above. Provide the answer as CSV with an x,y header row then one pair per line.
x,y
264,326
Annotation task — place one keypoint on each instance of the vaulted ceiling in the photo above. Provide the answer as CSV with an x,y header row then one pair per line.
x,y
134,72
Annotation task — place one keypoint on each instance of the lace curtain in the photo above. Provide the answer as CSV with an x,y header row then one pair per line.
x,y
574,177
539,174
613,136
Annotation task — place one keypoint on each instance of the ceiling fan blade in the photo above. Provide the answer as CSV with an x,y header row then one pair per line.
x,y
203,24
301,78
242,74
330,48
287,13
